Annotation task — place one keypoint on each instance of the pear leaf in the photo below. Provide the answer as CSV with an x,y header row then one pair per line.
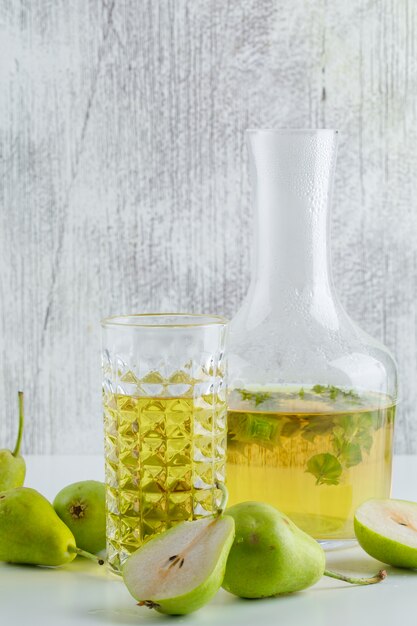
x,y
325,468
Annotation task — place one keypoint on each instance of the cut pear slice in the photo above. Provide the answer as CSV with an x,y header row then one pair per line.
x,y
387,530
180,570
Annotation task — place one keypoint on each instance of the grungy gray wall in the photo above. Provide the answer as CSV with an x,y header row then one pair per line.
x,y
124,182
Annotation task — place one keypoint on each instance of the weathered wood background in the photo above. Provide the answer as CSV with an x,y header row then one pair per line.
x,y
124,185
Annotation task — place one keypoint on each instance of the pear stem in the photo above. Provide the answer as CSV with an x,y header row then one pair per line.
x,y
225,497
21,424
86,555
357,581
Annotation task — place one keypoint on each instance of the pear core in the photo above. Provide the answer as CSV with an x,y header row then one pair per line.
x,y
175,574
180,570
396,519
387,530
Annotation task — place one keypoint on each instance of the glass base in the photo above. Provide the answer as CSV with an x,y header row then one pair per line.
x,y
330,545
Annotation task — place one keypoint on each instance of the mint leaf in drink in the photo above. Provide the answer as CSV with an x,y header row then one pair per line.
x,y
319,389
366,441
333,393
352,438
291,427
254,428
318,427
325,468
351,454
258,397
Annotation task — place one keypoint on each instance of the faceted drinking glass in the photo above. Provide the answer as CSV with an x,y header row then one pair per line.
x,y
164,398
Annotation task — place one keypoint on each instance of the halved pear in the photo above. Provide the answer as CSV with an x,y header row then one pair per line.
x,y
180,570
387,530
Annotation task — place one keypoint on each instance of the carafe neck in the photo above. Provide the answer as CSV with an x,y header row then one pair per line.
x,y
292,176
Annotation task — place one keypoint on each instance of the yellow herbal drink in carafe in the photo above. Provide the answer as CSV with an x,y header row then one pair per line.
x,y
314,453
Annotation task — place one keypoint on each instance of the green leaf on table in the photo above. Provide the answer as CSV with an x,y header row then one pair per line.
x,y
325,468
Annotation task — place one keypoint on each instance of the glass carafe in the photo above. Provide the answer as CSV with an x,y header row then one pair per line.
x,y
312,396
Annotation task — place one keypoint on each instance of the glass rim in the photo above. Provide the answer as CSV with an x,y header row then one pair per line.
x,y
291,131
123,321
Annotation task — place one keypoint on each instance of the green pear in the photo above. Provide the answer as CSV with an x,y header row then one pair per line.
x,y
180,570
270,554
31,532
12,464
387,530
82,507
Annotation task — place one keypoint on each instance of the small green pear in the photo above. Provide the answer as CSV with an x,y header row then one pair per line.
x,y
82,507
387,530
31,532
12,464
270,554
181,569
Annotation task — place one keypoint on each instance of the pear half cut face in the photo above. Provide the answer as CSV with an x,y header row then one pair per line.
x,y
180,570
387,530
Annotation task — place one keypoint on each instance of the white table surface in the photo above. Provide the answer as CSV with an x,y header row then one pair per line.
x,y
83,594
